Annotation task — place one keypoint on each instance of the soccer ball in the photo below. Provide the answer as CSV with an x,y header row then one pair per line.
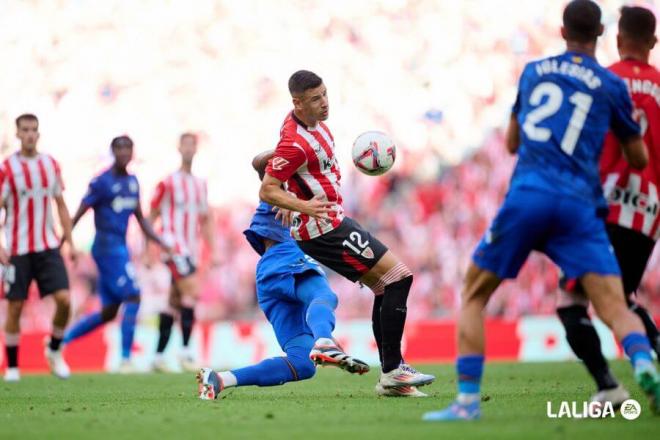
x,y
373,153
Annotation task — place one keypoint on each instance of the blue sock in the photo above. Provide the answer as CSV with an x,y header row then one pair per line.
x,y
469,370
637,348
85,325
269,372
320,319
276,371
128,328
313,289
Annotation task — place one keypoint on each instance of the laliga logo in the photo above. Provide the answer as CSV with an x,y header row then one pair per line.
x,y
630,410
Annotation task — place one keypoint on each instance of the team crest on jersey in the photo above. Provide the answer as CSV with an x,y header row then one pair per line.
x,y
278,163
132,186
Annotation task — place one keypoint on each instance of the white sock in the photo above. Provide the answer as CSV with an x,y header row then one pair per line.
x,y
228,379
468,398
324,341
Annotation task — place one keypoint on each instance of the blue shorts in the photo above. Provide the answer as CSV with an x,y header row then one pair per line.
x,y
117,281
566,229
285,305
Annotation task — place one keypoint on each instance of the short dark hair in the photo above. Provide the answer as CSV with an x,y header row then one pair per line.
x,y
120,140
188,134
27,117
303,80
637,23
582,21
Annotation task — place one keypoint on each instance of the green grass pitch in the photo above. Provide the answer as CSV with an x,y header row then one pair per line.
x,y
331,405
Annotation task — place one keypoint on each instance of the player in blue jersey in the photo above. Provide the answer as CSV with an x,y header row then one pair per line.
x,y
114,196
294,294
564,107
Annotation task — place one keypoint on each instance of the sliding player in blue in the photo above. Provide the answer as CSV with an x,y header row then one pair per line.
x,y
293,293
565,105
114,196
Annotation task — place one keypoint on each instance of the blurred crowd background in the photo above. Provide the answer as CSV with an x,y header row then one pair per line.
x,y
438,75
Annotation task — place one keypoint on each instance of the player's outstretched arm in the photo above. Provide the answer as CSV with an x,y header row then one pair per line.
x,y
82,209
512,136
4,256
67,225
206,229
147,229
271,192
635,152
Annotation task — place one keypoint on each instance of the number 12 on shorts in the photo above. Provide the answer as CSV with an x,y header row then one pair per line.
x,y
357,238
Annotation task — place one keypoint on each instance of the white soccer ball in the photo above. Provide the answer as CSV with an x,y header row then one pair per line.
x,y
374,153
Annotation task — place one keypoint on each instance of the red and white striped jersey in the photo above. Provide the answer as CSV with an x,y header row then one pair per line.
x,y
305,160
181,199
27,187
633,195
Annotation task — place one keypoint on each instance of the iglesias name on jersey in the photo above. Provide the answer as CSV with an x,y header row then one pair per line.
x,y
114,198
305,160
565,106
632,194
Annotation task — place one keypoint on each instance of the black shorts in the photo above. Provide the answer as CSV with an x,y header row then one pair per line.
x,y
349,250
632,249
46,268
181,266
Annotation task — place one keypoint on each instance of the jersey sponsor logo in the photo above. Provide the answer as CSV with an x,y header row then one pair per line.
x,y
116,187
327,163
641,203
120,203
278,163
35,192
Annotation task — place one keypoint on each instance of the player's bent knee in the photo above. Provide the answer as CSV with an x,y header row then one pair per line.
x,y
398,273
305,368
62,298
298,358
327,298
109,313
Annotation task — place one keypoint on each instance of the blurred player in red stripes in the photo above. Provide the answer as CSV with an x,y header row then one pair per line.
x,y
181,203
29,182
633,221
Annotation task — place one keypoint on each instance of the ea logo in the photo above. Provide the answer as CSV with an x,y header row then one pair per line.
x,y
630,409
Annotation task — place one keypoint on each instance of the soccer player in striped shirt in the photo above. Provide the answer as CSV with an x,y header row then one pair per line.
x,y
294,294
180,201
305,162
114,196
633,221
29,182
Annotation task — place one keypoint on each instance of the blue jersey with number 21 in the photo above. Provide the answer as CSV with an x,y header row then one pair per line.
x,y
565,106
